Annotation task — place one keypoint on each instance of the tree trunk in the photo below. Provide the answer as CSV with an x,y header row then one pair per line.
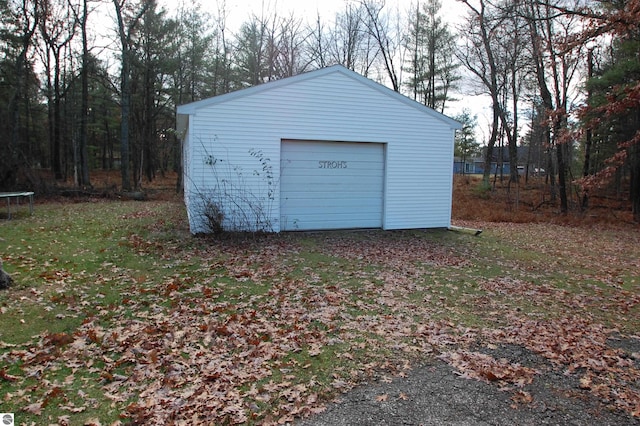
x,y
57,118
125,108
84,111
125,34
149,124
562,177
588,136
486,174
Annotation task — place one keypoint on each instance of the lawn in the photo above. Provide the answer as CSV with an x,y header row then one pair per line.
x,y
117,314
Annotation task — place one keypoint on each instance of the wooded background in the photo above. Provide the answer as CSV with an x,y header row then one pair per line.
x,y
562,76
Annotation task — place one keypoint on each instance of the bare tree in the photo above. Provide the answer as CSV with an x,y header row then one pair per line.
x,y
477,55
316,45
292,38
349,43
270,47
81,13
555,69
221,52
345,41
496,53
379,28
514,52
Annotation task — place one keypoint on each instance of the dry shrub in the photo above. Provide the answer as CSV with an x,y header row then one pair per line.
x,y
531,202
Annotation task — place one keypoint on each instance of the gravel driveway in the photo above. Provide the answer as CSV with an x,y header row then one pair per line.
x,y
434,394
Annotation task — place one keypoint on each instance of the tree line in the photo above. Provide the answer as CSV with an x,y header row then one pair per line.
x,y
93,84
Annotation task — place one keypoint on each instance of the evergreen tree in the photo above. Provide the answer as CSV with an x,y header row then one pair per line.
x,y
619,74
251,67
193,52
19,86
431,62
150,72
465,144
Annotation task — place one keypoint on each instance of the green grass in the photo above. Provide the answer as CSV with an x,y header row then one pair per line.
x,y
320,311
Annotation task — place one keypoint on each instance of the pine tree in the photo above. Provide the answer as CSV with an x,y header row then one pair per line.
x,y
465,144
431,63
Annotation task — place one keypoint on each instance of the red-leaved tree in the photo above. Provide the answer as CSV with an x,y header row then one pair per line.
x,y
612,111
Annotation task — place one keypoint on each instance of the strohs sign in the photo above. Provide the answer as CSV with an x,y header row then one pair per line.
x,y
332,164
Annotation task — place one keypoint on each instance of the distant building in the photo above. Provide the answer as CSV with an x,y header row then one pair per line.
x,y
528,163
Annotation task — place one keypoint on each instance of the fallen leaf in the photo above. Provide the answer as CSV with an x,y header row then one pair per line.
x,y
585,382
73,409
35,408
315,350
487,374
8,377
522,397
382,398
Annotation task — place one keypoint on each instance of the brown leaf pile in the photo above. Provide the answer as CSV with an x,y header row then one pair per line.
x,y
178,352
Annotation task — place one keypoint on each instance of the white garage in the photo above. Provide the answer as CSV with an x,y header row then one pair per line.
x,y
328,149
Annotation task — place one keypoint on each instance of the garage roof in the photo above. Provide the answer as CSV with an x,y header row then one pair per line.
x,y
183,111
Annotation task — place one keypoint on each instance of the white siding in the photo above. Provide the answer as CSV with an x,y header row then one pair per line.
x,y
331,185
187,182
329,106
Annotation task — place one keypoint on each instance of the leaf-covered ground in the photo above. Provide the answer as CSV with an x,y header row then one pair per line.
x,y
119,316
